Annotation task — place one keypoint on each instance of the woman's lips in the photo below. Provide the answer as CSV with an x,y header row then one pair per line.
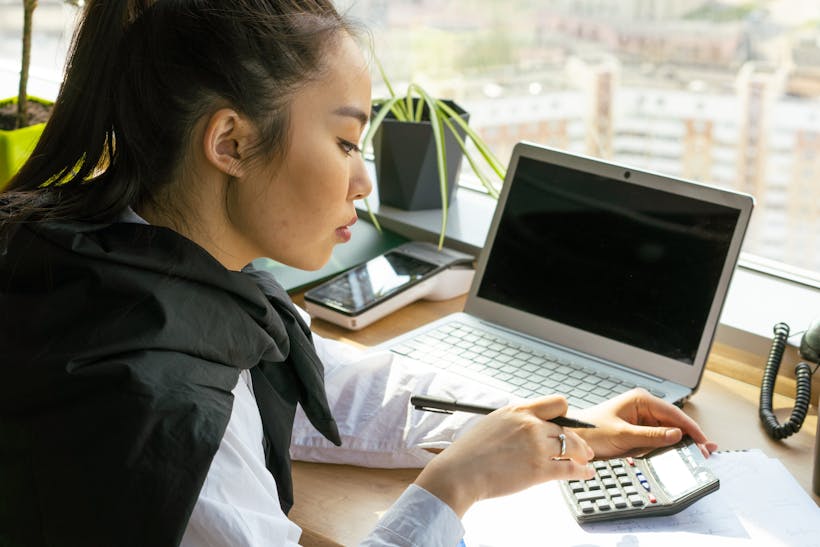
x,y
343,232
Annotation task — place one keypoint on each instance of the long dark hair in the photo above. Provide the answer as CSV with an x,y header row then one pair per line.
x,y
139,76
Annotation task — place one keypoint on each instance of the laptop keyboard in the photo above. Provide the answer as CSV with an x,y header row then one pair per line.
x,y
518,369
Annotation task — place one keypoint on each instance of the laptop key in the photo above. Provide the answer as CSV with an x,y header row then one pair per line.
x,y
586,386
593,399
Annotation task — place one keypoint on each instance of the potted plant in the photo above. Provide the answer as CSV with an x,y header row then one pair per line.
x,y
418,142
22,118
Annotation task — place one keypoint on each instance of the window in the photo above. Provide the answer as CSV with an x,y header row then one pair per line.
x,y
53,26
726,93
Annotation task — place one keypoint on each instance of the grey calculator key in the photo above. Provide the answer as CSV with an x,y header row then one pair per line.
x,y
603,505
595,485
620,471
589,496
576,486
630,491
636,501
609,483
604,474
587,507
599,464
619,502
625,481
613,492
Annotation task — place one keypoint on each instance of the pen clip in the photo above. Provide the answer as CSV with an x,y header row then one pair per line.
x,y
428,409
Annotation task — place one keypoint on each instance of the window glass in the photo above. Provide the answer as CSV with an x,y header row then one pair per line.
x,y
726,93
52,28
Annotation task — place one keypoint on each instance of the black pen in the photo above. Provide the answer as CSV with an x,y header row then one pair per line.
x,y
448,406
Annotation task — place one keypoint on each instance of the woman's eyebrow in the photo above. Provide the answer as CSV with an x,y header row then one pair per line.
x,y
352,112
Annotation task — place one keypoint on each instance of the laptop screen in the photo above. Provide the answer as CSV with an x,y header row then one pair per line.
x,y
631,263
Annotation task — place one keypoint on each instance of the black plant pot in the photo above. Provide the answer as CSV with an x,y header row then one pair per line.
x,y
406,165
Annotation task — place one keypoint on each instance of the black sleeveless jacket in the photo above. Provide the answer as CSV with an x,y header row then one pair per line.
x,y
119,347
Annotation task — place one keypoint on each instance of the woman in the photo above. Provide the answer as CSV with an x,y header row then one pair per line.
x,y
150,377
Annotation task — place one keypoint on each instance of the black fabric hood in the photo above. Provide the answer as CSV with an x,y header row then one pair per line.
x,y
120,346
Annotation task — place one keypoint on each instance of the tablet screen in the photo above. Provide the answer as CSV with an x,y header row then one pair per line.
x,y
366,285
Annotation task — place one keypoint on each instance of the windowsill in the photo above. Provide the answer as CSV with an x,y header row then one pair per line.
x,y
755,302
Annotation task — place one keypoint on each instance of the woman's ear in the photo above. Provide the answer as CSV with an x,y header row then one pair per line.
x,y
226,141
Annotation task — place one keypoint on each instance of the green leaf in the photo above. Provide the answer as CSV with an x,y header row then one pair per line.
x,y
375,122
485,151
485,181
441,155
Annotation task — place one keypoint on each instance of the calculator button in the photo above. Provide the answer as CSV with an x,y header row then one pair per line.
x,y
599,464
619,502
589,496
620,471
587,507
603,505
609,483
625,481
652,499
604,473
613,492
630,490
630,461
576,486
636,501
593,484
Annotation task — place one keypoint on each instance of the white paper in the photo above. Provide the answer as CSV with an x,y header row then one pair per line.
x,y
759,503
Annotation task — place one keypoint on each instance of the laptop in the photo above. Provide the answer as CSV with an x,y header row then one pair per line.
x,y
595,278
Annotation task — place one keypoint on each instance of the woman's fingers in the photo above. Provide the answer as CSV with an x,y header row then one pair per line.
x,y
547,407
574,447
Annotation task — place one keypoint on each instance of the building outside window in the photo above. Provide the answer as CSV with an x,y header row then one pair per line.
x,y
726,93
722,92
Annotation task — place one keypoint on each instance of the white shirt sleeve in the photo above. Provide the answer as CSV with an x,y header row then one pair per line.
x,y
369,395
418,518
239,503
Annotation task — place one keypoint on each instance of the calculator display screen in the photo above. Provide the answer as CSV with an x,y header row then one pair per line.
x,y
365,285
673,473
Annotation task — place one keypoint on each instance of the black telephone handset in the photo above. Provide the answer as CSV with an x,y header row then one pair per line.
x,y
810,351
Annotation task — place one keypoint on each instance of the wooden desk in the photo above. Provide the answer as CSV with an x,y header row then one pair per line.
x,y
339,504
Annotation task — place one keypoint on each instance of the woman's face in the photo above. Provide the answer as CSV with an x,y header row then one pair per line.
x,y
297,209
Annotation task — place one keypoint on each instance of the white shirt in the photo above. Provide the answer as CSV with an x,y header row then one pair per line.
x,y
369,396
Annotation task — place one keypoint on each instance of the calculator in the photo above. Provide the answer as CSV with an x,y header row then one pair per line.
x,y
663,482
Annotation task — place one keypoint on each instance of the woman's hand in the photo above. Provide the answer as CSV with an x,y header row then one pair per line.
x,y
636,422
509,450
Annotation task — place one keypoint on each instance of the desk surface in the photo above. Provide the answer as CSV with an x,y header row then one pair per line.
x,y
339,504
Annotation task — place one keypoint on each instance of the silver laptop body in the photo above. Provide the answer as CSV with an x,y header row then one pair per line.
x,y
595,278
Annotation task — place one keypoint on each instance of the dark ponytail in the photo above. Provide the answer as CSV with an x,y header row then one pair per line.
x,y
140,74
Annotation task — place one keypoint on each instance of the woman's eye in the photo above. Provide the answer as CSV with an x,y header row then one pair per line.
x,y
348,147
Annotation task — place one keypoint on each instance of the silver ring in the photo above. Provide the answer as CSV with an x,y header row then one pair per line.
x,y
563,439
